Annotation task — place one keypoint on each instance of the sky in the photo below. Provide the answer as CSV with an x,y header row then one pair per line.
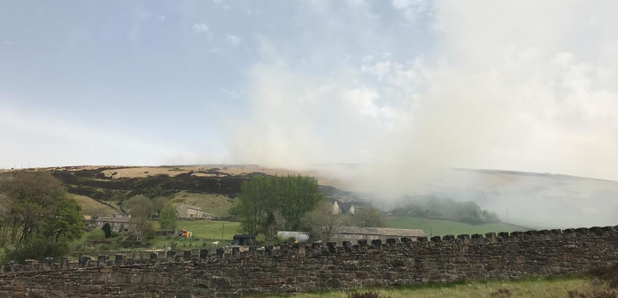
x,y
511,85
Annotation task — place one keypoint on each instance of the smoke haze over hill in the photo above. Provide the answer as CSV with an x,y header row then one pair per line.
x,y
489,90
515,86
410,89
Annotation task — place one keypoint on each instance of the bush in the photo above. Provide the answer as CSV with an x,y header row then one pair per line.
x,y
37,248
260,239
609,274
96,235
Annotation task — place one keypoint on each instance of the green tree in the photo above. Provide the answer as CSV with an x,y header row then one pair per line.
x,y
274,222
167,219
370,217
141,203
37,212
107,229
291,196
158,204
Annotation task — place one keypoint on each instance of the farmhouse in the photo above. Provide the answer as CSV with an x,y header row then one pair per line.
x,y
354,234
189,211
118,222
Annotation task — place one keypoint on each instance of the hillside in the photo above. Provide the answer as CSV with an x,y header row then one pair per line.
x,y
517,197
92,207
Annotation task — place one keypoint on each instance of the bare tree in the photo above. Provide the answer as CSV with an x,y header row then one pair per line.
x,y
321,223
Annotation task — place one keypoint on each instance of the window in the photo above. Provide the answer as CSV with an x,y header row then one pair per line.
x,y
359,236
348,236
374,237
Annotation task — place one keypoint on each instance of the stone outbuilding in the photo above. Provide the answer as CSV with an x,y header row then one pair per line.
x,y
353,234
189,211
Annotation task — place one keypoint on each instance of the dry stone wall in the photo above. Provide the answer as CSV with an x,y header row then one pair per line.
x,y
291,269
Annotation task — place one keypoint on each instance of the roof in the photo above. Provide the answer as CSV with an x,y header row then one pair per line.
x,y
382,231
191,207
204,214
112,219
347,205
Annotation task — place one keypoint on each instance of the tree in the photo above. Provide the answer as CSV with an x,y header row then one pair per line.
x,y
141,202
107,229
321,223
141,228
167,219
274,223
370,217
291,196
158,204
37,212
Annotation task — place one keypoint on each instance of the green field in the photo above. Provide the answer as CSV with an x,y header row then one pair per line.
x,y
439,227
208,229
542,288
204,233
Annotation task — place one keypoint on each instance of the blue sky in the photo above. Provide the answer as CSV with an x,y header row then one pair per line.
x,y
519,86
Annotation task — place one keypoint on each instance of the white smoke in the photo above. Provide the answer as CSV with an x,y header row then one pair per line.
x,y
520,85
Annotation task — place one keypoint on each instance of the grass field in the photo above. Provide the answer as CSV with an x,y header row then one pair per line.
x,y
207,229
218,205
91,206
542,288
439,227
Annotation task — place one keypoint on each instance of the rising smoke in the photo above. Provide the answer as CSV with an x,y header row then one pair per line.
x,y
525,86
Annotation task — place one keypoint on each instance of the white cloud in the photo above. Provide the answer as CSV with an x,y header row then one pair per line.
x,y
496,93
201,28
411,8
233,39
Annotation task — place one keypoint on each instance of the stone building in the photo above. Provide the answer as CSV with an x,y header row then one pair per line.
x,y
118,222
189,211
354,234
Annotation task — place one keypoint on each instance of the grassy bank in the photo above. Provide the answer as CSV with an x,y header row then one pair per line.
x,y
543,288
439,227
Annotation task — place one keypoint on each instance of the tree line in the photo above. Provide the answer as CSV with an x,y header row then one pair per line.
x,y
433,207
270,203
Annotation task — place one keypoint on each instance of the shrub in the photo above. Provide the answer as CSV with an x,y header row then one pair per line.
x,y
96,235
37,248
609,274
501,293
